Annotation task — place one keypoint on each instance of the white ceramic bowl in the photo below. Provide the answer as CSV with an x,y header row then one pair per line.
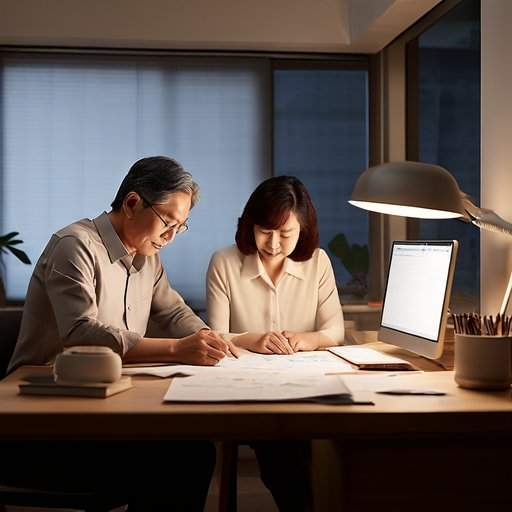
x,y
87,364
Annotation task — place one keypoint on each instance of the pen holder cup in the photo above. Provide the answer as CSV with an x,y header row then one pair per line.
x,y
483,362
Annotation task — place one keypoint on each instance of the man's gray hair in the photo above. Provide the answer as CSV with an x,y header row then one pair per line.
x,y
154,178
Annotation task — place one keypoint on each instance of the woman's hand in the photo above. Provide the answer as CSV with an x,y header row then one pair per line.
x,y
272,343
300,341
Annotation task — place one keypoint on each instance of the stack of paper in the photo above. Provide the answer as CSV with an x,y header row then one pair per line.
x,y
304,376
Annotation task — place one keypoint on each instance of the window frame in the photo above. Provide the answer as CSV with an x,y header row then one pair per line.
x,y
395,118
370,64
412,91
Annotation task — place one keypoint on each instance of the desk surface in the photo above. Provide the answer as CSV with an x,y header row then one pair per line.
x,y
140,413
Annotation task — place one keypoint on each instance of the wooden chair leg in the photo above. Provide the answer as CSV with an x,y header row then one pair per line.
x,y
228,477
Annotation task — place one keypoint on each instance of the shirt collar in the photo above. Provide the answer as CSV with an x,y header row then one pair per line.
x,y
294,268
252,267
115,247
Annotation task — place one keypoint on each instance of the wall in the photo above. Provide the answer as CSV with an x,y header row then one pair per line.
x,y
496,173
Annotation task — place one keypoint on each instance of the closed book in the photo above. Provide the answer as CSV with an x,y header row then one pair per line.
x,y
45,385
369,359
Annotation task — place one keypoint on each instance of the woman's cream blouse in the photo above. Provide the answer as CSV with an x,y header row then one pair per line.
x,y
242,298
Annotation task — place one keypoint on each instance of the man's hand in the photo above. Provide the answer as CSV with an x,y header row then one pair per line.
x,y
272,343
233,350
205,348
298,341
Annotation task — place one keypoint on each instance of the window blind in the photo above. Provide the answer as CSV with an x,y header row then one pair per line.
x,y
72,125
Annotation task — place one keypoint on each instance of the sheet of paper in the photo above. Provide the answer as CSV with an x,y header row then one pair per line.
x,y
376,381
167,371
317,361
256,385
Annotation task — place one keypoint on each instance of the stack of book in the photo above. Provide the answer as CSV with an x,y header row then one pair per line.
x,y
46,385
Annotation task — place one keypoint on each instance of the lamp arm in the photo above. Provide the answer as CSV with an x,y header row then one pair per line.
x,y
485,218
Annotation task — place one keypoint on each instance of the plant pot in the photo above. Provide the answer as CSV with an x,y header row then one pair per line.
x,y
3,298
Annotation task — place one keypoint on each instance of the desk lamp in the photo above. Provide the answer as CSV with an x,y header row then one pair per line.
x,y
425,191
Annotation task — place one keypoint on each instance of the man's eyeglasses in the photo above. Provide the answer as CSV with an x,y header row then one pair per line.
x,y
177,228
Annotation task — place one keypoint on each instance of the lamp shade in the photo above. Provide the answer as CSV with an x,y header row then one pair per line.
x,y
411,189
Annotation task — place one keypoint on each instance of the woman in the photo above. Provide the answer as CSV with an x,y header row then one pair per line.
x,y
275,293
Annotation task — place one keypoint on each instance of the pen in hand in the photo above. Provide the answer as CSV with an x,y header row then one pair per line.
x,y
233,350
230,349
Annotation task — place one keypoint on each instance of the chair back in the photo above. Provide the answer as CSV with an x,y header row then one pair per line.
x,y
10,321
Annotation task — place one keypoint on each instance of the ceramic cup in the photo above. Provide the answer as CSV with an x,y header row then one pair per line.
x,y
483,362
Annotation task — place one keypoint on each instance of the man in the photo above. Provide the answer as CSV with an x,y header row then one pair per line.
x,y
100,282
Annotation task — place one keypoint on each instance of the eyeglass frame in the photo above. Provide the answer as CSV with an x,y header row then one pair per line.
x,y
178,229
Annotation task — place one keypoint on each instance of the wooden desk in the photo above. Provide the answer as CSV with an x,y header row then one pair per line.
x,y
403,452
140,413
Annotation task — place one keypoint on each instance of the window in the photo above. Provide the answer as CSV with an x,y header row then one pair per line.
x,y
444,128
321,136
72,124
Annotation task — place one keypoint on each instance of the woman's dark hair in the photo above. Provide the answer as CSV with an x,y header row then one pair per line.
x,y
270,205
154,178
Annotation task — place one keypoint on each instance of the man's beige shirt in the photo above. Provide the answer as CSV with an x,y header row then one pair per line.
x,y
87,290
242,298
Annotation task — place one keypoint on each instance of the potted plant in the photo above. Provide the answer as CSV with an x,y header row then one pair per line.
x,y
355,258
8,243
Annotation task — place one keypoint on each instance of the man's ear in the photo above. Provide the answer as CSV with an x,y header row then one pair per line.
x,y
130,204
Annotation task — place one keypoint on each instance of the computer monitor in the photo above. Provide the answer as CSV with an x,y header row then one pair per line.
x,y
415,309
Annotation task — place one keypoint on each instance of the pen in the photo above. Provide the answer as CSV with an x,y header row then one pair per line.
x,y
232,352
406,391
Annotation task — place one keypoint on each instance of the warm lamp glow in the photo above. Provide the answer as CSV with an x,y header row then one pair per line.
x,y
405,211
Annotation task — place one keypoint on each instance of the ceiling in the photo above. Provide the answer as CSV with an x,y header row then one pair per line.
x,y
347,26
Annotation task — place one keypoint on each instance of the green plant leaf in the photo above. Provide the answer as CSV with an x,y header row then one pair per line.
x,y
361,260
20,255
355,258
339,246
14,242
8,236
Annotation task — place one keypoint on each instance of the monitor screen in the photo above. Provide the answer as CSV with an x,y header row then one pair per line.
x,y
415,308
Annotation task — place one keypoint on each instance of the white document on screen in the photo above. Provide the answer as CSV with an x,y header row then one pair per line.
x,y
254,386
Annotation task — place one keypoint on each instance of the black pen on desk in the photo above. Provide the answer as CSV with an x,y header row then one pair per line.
x,y
416,392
